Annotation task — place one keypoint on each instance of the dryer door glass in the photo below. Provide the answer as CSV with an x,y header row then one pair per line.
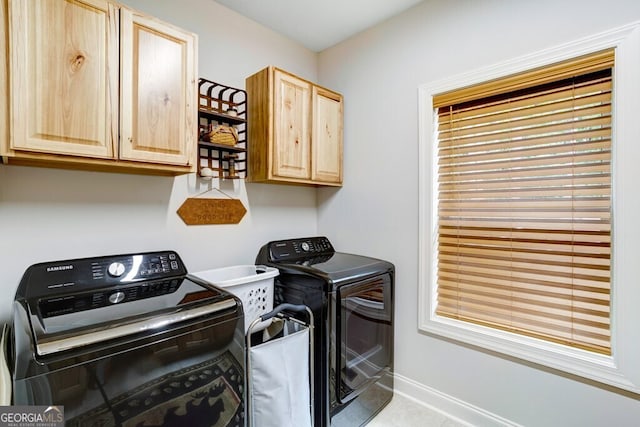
x,y
365,334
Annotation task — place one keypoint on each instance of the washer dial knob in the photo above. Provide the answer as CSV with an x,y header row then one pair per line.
x,y
305,246
116,297
116,269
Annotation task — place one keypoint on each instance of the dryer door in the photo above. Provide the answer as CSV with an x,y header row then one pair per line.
x,y
364,334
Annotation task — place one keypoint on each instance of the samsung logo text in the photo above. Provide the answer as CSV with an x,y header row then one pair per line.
x,y
59,268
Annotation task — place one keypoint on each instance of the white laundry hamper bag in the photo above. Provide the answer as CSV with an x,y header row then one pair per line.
x,y
279,375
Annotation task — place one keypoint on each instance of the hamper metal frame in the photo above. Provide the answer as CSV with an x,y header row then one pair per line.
x,y
283,311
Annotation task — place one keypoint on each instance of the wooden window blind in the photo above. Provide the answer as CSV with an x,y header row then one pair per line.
x,y
524,203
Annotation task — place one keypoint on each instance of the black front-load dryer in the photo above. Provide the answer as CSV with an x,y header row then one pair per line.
x,y
351,297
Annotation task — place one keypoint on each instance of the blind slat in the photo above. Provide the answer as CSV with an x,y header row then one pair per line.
x,y
514,182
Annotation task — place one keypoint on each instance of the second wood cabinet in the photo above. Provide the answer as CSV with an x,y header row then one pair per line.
x,y
96,85
295,130
158,84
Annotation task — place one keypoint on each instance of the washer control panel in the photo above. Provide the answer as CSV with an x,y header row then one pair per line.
x,y
66,304
289,250
130,268
108,272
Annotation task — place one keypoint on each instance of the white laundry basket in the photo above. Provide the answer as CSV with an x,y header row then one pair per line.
x,y
253,284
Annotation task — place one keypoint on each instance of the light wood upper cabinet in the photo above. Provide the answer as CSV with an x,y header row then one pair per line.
x,y
327,136
292,130
157,121
4,84
295,130
95,85
64,77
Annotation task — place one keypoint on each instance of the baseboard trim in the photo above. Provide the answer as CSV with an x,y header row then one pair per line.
x,y
456,409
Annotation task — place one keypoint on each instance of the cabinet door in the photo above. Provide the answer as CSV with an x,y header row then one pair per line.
x,y
4,76
291,154
327,136
158,107
63,76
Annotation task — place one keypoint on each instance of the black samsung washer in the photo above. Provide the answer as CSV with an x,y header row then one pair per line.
x,y
127,339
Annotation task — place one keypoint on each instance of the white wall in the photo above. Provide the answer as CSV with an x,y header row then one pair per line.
x,y
48,214
379,71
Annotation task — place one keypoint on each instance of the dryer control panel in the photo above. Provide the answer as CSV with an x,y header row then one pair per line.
x,y
293,249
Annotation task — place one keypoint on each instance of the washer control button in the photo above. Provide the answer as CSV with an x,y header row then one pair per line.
x,y
116,269
116,297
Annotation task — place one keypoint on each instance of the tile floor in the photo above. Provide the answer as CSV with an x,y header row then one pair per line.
x,y
405,412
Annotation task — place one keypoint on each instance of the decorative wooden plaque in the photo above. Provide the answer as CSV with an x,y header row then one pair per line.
x,y
211,211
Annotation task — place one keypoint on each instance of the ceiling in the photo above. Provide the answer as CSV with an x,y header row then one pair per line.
x,y
318,24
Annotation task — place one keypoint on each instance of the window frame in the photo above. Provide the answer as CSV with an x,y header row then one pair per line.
x,y
622,368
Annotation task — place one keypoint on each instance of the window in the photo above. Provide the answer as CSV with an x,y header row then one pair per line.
x,y
524,201
524,244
